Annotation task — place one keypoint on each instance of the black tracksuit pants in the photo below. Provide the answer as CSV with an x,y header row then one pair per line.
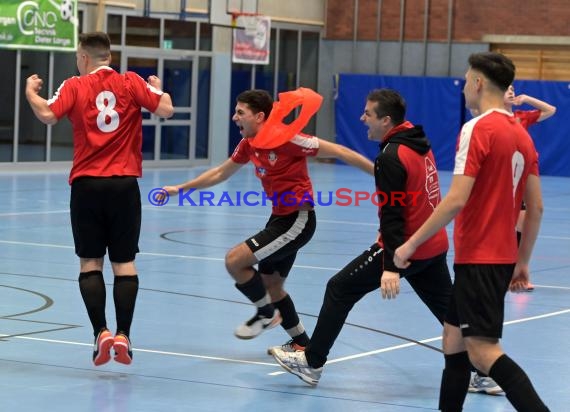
x,y
429,278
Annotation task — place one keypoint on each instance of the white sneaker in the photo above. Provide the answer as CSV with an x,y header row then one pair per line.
x,y
484,384
256,325
296,363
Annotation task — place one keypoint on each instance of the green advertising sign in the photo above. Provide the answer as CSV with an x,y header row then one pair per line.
x,y
38,24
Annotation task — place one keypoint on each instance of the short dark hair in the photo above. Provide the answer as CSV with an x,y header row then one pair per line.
x,y
258,101
496,67
389,103
96,44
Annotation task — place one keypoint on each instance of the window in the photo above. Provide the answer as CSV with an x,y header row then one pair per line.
x,y
180,34
143,32
7,97
61,133
32,133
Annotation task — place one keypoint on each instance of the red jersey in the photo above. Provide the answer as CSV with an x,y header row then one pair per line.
x,y
527,117
104,108
406,165
282,170
495,150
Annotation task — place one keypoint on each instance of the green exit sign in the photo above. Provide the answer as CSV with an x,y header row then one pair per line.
x,y
167,44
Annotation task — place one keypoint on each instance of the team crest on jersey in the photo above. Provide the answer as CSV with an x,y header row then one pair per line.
x,y
432,183
261,171
272,157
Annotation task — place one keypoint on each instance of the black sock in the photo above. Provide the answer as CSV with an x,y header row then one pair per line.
x,y
516,384
291,322
479,373
125,295
454,382
92,288
254,290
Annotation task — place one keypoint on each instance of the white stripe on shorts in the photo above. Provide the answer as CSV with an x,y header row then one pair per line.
x,y
294,231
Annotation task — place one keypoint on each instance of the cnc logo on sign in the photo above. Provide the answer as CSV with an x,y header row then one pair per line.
x,y
50,25
33,20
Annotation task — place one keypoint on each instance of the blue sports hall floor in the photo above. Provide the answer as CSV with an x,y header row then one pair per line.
x,y
185,355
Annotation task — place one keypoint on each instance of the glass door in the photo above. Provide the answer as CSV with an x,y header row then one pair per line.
x,y
174,138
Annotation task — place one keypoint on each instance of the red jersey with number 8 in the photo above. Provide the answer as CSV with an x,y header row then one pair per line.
x,y
104,108
498,152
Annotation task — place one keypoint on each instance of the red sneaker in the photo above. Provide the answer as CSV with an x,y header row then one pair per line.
x,y
123,350
102,347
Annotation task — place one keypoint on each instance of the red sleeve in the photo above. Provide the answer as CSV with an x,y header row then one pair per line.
x,y
143,93
241,152
533,169
472,149
64,98
302,145
527,117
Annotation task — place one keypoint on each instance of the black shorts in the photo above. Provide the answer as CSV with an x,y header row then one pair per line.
x,y
477,303
276,246
106,214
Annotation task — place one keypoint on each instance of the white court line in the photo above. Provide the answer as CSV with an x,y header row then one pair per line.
x,y
343,222
52,245
257,216
160,208
158,352
407,345
212,259
252,362
554,237
546,315
552,287
45,212
216,358
167,255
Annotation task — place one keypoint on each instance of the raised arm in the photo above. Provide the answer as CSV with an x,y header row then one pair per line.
x,y
38,104
210,177
546,110
165,108
328,149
